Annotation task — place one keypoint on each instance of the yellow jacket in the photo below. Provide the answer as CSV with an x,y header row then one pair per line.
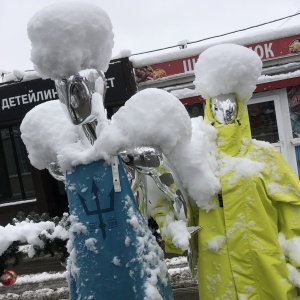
x,y
239,253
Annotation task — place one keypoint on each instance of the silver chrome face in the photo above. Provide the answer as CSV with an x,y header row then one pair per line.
x,y
224,108
75,94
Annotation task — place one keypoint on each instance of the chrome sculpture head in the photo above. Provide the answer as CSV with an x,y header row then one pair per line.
x,y
145,159
150,161
75,94
55,170
224,108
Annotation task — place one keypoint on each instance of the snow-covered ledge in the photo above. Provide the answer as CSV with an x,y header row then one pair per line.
x,y
17,202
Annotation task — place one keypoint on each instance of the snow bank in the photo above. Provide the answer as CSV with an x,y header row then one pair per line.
x,y
28,232
236,70
68,37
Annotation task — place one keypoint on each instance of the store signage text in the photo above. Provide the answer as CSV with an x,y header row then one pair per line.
x,y
16,99
36,96
28,98
189,64
110,82
266,50
115,83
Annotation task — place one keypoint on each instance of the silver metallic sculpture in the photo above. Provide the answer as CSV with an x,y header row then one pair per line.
x,y
146,162
55,170
75,94
152,162
224,108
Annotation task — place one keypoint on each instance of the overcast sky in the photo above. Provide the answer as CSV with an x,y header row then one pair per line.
x,y
148,25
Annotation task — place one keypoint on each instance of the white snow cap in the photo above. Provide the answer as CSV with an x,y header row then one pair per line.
x,y
225,69
154,117
67,37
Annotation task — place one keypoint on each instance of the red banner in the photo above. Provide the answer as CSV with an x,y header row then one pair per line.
x,y
262,87
267,50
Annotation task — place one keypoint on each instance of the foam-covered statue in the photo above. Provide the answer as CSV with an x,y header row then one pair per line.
x,y
113,254
250,241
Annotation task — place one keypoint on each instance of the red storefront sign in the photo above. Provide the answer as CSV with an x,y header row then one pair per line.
x,y
192,100
267,50
262,87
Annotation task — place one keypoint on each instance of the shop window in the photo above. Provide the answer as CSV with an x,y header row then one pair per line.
x,y
263,121
294,106
297,150
15,170
195,110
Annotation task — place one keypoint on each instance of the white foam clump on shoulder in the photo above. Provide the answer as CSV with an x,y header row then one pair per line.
x,y
154,117
68,37
45,130
150,118
225,69
195,162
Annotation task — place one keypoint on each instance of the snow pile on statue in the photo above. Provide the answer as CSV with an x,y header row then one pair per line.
x,y
69,37
151,118
207,173
110,243
235,71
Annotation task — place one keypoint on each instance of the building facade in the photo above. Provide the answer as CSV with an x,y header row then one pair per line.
x,y
23,187
274,110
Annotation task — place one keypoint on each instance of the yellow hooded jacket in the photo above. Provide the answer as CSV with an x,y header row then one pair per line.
x,y
239,254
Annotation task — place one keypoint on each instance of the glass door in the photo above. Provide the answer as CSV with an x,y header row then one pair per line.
x,y
293,94
270,121
264,121
15,170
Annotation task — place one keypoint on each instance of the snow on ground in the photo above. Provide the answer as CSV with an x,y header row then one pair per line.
x,y
53,286
42,277
40,294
